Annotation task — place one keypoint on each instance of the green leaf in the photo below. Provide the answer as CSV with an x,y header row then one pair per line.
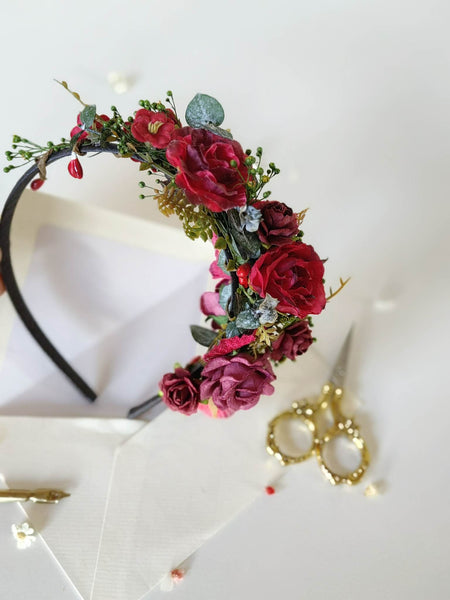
x,y
246,245
87,115
220,319
75,139
220,244
247,319
222,262
203,336
232,330
224,296
266,310
204,110
219,131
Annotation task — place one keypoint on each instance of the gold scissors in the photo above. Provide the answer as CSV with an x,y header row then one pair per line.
x,y
309,410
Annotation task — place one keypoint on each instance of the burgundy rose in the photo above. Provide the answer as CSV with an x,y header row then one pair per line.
x,y
156,128
293,275
278,224
236,382
205,173
293,341
180,391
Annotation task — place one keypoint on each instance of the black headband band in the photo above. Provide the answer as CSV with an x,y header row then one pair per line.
x,y
9,278
17,299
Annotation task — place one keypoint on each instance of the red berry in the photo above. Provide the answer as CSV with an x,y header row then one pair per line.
x,y
243,270
36,184
242,273
270,490
75,168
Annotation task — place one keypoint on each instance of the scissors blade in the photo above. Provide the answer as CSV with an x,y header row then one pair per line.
x,y
339,371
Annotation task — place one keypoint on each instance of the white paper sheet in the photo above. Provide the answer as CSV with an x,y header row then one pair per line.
x,y
144,496
115,294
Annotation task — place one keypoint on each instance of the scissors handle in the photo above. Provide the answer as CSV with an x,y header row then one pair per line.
x,y
300,410
307,410
343,426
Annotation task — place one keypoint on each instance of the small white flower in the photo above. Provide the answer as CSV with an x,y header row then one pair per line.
x,y
24,535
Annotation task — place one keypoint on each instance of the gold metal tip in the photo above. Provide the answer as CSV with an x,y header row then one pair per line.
x,y
45,496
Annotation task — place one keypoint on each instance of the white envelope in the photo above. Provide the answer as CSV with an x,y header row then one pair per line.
x,y
144,496
114,293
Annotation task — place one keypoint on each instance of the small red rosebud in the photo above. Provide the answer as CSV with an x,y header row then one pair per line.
x,y
75,168
177,575
36,184
242,273
270,490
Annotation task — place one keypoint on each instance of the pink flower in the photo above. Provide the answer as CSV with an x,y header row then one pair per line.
x,y
180,391
236,382
216,271
216,413
156,128
209,304
293,341
212,168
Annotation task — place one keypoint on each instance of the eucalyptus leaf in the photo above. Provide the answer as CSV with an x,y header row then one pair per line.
x,y
247,319
232,330
247,245
222,261
219,131
266,310
202,335
224,296
74,140
87,115
204,110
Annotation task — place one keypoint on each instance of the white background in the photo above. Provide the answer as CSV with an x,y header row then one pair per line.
x,y
351,100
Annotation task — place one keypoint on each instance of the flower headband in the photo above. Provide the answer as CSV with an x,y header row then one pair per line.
x,y
268,280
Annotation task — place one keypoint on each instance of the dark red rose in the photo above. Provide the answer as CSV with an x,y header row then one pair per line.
x,y
156,128
203,160
293,341
236,382
278,224
180,391
293,275
97,125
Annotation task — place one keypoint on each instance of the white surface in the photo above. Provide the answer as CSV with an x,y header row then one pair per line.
x,y
351,100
